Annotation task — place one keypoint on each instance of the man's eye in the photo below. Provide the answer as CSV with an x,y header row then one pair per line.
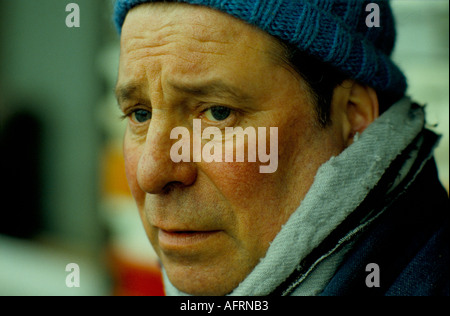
x,y
217,113
141,116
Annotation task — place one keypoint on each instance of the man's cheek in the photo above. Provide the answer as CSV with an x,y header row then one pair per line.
x,y
237,181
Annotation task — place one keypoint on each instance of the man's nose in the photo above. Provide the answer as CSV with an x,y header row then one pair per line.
x,y
156,172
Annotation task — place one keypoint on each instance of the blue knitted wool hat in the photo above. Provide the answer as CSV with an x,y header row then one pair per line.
x,y
334,31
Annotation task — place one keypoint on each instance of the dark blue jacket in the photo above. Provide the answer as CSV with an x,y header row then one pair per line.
x,y
408,239
409,242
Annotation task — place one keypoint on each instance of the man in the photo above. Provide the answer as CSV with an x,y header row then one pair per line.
x,y
353,205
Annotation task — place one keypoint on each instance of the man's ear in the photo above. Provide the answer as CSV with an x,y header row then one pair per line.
x,y
358,106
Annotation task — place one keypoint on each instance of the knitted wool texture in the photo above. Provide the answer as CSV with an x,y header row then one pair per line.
x,y
333,31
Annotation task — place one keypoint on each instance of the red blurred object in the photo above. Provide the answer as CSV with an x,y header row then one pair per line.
x,y
133,278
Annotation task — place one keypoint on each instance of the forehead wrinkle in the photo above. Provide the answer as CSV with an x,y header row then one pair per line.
x,y
208,26
173,24
189,49
202,25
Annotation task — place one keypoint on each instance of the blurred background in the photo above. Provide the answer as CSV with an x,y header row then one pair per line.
x,y
65,198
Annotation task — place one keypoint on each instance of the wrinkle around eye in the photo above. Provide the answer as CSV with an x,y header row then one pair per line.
x,y
136,128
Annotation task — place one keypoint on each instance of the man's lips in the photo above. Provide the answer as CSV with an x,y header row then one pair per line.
x,y
183,239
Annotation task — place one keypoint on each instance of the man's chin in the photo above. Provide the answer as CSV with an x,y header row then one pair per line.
x,y
201,282
213,275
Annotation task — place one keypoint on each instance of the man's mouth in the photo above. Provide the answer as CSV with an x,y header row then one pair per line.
x,y
182,239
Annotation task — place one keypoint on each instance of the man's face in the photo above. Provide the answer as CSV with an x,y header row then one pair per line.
x,y
211,222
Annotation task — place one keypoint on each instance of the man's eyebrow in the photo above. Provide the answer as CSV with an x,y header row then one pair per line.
x,y
128,91
212,88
